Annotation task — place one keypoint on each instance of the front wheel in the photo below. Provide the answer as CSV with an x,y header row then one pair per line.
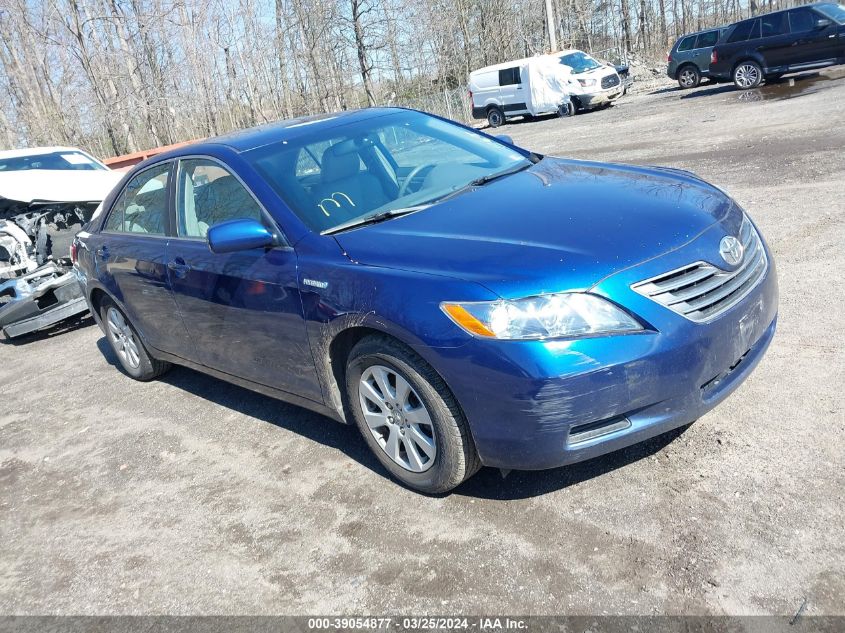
x,y
126,343
408,416
747,75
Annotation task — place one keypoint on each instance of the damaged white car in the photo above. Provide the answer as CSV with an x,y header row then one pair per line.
x,y
46,195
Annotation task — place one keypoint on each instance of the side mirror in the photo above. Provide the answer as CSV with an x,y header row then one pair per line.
x,y
504,137
823,23
238,235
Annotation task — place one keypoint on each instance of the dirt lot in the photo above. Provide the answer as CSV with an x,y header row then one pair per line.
x,y
189,495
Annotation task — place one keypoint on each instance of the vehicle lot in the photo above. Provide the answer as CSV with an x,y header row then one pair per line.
x,y
189,495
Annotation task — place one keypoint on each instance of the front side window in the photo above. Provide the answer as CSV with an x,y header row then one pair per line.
x,y
802,20
378,164
142,206
208,194
687,44
708,39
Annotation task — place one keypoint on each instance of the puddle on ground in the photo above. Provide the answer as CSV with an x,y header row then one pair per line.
x,y
791,87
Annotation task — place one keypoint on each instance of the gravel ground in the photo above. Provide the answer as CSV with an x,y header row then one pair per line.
x,y
189,495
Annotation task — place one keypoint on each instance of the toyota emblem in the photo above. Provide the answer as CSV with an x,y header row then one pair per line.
x,y
731,250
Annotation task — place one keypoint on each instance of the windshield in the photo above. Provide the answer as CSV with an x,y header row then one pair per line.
x,y
579,62
76,161
336,175
835,12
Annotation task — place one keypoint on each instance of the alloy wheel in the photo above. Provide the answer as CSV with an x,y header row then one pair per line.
x,y
687,78
397,418
123,338
747,75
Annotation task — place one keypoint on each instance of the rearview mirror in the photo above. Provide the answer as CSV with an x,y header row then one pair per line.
x,y
823,23
238,235
504,137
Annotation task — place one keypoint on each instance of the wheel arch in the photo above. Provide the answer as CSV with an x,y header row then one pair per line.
x,y
331,365
748,57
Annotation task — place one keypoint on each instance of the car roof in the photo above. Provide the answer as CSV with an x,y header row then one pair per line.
x,y
802,6
37,151
525,60
712,28
269,133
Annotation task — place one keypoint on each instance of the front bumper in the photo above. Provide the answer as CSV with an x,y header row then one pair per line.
x,y
594,100
540,404
38,300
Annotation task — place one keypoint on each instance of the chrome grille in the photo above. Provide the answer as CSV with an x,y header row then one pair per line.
x,y
701,291
610,81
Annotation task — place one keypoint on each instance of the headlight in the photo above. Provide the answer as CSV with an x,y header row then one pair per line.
x,y
587,82
545,316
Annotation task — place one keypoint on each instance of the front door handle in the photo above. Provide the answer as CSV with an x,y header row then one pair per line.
x,y
179,267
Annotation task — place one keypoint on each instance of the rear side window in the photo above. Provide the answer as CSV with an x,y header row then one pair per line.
x,y
801,20
705,40
741,31
774,24
209,194
687,44
509,76
142,206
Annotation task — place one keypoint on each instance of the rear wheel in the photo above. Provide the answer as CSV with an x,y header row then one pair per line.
x,y
495,117
689,77
408,416
747,75
126,343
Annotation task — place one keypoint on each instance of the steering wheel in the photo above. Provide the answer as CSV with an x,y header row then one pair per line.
x,y
410,177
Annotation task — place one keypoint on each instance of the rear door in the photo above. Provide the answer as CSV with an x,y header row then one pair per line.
x,y
129,255
703,46
776,43
242,310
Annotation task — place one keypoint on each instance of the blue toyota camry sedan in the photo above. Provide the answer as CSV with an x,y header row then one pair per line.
x,y
463,301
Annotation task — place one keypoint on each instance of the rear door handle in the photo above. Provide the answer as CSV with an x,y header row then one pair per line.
x,y
179,267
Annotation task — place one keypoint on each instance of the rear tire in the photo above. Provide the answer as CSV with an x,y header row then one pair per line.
x,y
689,77
495,117
127,345
421,437
747,75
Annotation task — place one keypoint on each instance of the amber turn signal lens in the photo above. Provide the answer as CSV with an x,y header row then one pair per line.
x,y
463,318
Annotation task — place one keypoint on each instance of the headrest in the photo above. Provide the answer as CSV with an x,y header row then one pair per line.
x,y
340,161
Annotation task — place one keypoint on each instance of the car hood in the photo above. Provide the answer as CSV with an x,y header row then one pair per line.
x,y
559,225
56,185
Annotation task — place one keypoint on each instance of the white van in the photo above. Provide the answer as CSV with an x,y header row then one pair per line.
x,y
507,90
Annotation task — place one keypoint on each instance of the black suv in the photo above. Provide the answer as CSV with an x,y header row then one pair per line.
x,y
767,46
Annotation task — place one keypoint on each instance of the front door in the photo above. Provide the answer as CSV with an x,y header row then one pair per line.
x,y
812,44
243,310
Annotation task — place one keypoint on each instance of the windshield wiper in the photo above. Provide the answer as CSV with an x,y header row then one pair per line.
x,y
501,174
373,218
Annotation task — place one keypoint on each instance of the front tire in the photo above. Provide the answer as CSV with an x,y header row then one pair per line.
x,y
495,117
747,75
689,77
408,416
127,345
